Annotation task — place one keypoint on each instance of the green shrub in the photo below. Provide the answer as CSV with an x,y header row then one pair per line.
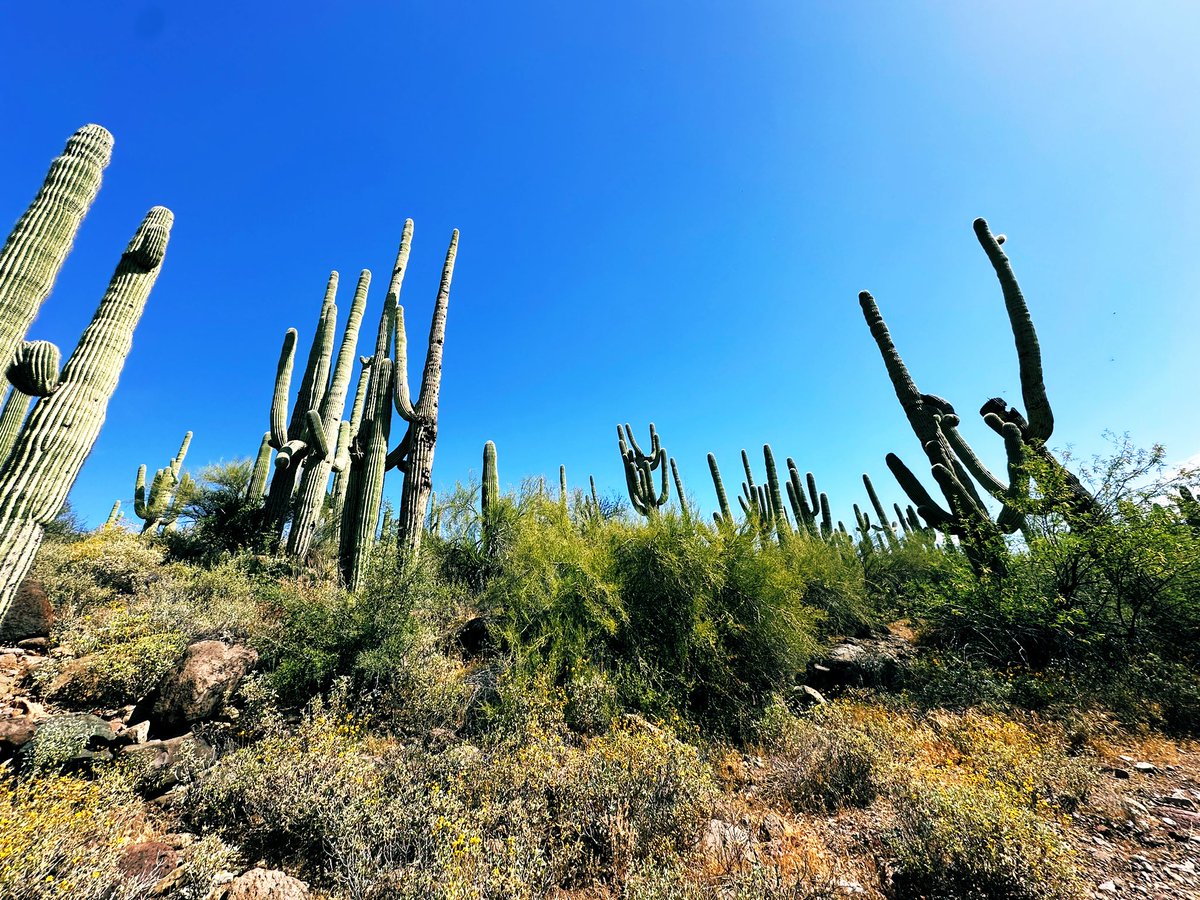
x,y
970,840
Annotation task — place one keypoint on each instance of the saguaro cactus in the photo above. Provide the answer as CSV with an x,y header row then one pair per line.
x,y
61,429
341,477
293,438
114,515
42,237
806,507
322,459
16,407
489,498
160,507
414,456
639,471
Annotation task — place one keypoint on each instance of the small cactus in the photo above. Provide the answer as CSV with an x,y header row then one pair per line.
x,y
167,494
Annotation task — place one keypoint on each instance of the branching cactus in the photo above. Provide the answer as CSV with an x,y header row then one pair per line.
x,y
42,237
414,456
639,471
60,431
806,508
160,507
293,437
323,459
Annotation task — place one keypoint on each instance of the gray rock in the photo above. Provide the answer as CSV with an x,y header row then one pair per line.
x,y
158,766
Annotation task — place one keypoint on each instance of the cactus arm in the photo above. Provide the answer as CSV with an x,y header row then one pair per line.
x,y
778,513
402,399
683,505
826,517
341,456
34,368
884,524
1029,353
16,406
974,465
114,515
177,462
431,381
927,507
139,494
41,239
722,499
283,381
262,468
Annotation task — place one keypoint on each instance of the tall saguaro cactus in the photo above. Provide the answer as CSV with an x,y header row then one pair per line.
x,y
292,438
414,456
42,238
61,429
262,469
321,461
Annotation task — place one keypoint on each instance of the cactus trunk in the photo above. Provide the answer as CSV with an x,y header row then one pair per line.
x,y
59,434
16,407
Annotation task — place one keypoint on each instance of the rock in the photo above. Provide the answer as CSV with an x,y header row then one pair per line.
x,y
1180,799
865,662
725,841
149,861
1145,768
39,645
809,696
1107,887
15,733
157,766
69,742
30,615
200,685
262,884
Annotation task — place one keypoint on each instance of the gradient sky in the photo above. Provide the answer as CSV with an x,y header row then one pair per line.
x,y
667,211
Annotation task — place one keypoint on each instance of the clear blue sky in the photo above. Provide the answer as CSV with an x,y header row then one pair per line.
x,y
667,212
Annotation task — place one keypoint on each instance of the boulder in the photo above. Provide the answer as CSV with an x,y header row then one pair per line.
x,y
15,733
262,884
200,685
157,766
726,842
30,615
68,742
861,662
148,861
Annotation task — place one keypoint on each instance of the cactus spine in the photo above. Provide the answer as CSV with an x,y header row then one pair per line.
x,y
414,456
61,429
42,237
639,471
322,459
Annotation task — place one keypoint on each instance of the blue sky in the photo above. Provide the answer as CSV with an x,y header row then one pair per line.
x,y
667,212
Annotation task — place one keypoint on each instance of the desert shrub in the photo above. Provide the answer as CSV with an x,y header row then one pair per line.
x,y
121,654
63,837
97,569
967,839
222,520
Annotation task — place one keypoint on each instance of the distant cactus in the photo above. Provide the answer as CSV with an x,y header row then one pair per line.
x,y
683,503
562,486
489,497
806,508
60,431
639,471
114,515
885,527
724,515
42,237
159,507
